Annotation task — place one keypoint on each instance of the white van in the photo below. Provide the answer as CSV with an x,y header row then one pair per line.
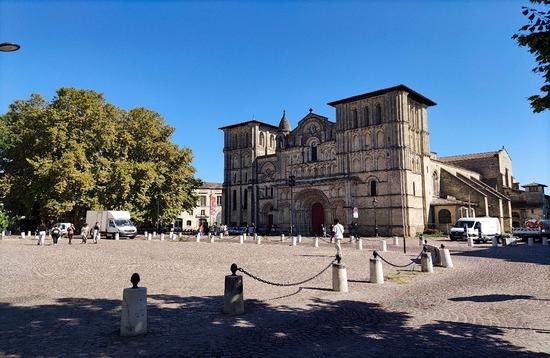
x,y
62,227
480,228
111,222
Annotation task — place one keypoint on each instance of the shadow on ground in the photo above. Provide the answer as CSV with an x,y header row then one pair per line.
x,y
492,298
536,254
195,326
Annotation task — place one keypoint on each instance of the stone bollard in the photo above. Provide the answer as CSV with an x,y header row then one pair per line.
x,y
530,241
29,233
339,278
133,318
282,237
470,241
258,240
233,302
145,234
198,239
150,237
241,239
293,240
161,237
395,240
359,244
22,234
154,234
316,242
544,241
98,236
244,236
117,236
2,235
426,262
375,269
221,235
446,260
351,238
255,236
174,237
383,246
211,238
494,242
299,239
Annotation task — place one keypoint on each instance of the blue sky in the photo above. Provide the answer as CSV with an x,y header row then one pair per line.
x,y
203,65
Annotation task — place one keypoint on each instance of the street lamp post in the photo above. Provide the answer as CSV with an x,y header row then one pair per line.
x,y
9,47
374,201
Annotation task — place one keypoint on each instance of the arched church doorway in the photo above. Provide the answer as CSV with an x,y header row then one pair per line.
x,y
317,218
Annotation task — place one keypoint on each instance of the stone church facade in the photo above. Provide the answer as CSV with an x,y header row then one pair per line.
x,y
372,167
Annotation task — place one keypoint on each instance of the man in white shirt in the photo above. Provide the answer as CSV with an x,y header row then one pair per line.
x,y
338,234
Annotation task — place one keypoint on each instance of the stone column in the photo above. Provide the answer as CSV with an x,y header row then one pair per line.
x,y
339,278
233,300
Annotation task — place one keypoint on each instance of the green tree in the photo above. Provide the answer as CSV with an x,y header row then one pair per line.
x,y
79,153
536,36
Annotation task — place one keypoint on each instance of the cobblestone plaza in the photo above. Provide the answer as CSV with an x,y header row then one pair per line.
x,y
64,301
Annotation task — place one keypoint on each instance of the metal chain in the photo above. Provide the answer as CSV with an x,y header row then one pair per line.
x,y
399,266
284,284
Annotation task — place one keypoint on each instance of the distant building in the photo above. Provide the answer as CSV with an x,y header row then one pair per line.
x,y
372,166
529,204
208,210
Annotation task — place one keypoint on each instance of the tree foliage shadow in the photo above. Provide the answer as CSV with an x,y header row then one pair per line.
x,y
195,326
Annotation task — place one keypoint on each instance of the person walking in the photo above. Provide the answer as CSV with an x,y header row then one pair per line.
x,y
41,234
324,230
96,232
84,232
56,233
70,233
338,234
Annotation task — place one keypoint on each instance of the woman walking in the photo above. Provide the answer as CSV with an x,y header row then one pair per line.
x,y
70,233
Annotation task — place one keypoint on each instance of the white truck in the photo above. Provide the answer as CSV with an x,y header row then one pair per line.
x,y
111,222
481,228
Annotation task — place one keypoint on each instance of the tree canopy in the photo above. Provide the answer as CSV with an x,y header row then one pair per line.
x,y
536,36
81,153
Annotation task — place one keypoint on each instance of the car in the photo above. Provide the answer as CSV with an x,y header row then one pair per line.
x,y
236,230
62,227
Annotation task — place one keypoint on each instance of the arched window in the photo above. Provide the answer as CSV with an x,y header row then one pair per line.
x,y
355,143
271,141
373,188
378,113
245,199
354,116
314,152
444,216
234,200
380,140
261,139
367,117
